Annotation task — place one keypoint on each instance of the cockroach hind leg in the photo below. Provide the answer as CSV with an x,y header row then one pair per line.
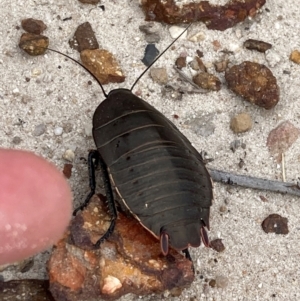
x,y
204,237
164,243
109,231
93,160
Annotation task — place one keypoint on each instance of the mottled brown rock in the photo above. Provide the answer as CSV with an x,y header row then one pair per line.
x,y
25,290
219,17
241,123
217,245
257,45
129,261
67,171
295,56
103,65
255,83
84,38
159,75
207,81
33,26
275,223
180,62
89,1
33,44
282,138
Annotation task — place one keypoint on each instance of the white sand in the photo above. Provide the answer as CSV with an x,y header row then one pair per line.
x,y
258,266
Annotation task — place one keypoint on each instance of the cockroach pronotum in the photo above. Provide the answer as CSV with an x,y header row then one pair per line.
x,y
159,176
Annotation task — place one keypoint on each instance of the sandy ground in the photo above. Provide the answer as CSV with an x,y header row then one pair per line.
x,y
258,266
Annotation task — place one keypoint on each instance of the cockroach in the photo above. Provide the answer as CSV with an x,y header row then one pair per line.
x,y
160,177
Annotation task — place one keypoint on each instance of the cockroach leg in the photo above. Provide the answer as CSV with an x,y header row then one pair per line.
x,y
93,160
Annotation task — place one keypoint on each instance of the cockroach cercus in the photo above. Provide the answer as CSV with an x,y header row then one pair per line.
x,y
160,177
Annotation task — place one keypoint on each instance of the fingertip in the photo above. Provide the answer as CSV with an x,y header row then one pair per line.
x,y
35,204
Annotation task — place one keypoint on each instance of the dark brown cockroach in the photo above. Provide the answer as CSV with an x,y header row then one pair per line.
x,y
159,176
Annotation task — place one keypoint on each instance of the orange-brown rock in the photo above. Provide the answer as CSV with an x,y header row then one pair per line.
x,y
255,83
219,17
129,261
103,65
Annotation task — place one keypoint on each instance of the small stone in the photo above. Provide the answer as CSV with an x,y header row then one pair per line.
x,y
212,283
217,245
241,123
275,223
176,31
58,131
295,56
159,75
33,26
89,1
197,37
39,129
257,45
16,140
103,65
33,44
69,155
221,281
84,38
180,62
255,83
282,138
207,81
151,52
67,171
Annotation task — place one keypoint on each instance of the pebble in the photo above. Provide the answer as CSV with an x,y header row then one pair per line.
x,y
67,171
33,44
39,129
255,83
275,223
217,245
180,62
58,131
151,32
159,75
197,37
176,31
241,123
69,155
84,38
151,52
257,45
295,56
282,138
33,26
207,81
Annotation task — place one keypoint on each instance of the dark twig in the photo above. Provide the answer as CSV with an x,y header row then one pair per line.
x,y
255,183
